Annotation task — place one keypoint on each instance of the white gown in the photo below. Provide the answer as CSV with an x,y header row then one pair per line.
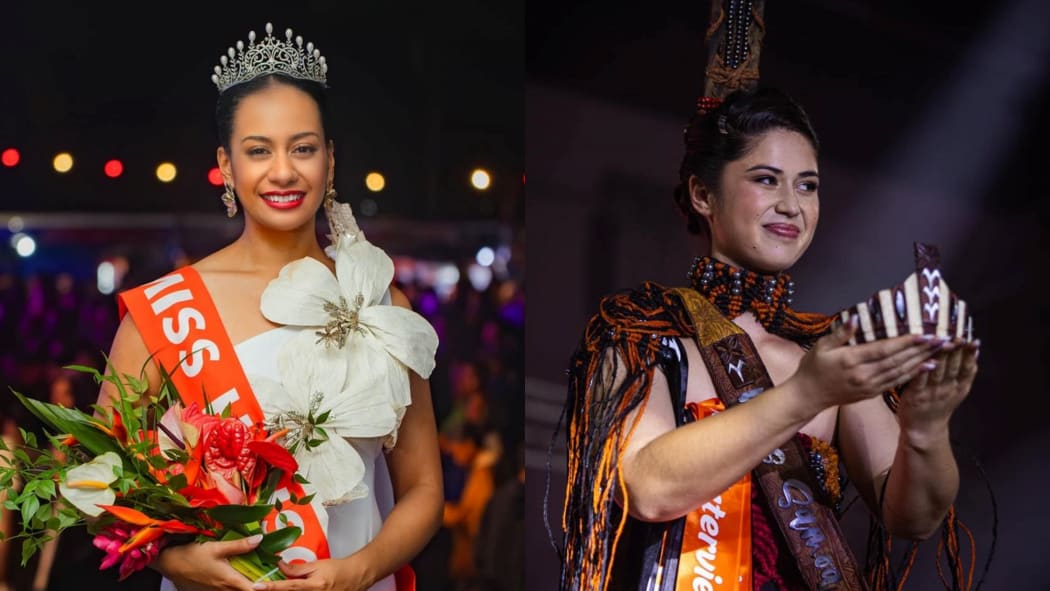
x,y
353,524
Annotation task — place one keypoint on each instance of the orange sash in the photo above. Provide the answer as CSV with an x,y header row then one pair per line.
x,y
181,327
716,541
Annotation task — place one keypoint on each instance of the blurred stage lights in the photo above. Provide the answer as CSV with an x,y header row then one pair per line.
x,y
63,162
480,179
10,157
375,182
166,172
106,277
486,256
113,168
23,244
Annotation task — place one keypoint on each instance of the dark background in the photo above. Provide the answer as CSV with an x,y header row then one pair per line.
x,y
933,119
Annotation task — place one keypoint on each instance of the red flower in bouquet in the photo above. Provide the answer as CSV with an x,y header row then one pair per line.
x,y
227,461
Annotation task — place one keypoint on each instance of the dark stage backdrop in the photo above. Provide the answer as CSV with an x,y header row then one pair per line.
x,y
933,121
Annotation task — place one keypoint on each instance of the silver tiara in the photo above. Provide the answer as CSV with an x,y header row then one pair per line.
x,y
270,56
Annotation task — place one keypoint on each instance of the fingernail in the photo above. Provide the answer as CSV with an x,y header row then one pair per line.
x,y
259,586
929,365
253,540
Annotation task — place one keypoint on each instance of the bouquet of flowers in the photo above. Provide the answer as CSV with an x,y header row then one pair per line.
x,y
149,472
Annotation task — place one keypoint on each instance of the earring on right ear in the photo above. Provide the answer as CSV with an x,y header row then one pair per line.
x,y
329,197
229,200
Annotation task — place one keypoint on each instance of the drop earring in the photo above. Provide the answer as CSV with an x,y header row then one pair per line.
x,y
329,197
229,201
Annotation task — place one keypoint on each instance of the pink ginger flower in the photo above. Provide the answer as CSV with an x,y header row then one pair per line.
x,y
114,537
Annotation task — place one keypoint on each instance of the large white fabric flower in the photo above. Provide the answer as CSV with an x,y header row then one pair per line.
x,y
308,389
348,307
87,486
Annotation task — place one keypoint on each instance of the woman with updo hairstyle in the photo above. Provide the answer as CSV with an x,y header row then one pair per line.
x,y
709,146
311,340
699,414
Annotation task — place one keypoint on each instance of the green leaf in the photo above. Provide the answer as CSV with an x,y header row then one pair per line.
x,y
137,385
46,489
276,541
29,548
177,482
66,519
323,417
29,507
72,421
230,515
23,457
43,514
83,368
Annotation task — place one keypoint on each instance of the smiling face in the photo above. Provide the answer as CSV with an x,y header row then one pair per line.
x,y
766,210
278,161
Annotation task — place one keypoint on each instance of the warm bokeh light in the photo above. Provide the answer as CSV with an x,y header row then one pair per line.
x,y
480,179
63,162
113,168
375,182
166,172
215,176
10,157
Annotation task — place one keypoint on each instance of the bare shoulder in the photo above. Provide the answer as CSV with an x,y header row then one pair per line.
x,y
398,297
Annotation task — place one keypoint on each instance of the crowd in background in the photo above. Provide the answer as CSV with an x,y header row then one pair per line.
x,y
48,322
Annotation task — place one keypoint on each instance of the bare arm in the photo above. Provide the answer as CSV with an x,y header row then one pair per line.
x,y
911,460
670,471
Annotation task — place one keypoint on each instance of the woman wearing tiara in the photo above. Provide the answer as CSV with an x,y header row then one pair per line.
x,y
669,485
277,323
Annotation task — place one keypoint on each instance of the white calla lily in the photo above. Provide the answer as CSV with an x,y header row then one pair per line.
x,y
87,486
355,409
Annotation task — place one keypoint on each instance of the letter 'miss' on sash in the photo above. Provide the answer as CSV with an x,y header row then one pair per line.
x,y
785,478
181,327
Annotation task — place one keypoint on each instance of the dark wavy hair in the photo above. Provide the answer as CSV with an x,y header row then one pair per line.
x,y
716,138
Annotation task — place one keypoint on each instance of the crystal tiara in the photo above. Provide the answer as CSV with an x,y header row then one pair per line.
x,y
270,56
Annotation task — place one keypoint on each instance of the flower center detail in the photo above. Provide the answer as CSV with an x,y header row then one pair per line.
x,y
344,321
301,428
